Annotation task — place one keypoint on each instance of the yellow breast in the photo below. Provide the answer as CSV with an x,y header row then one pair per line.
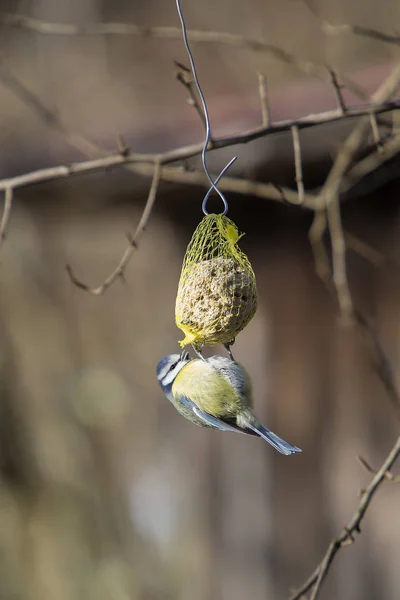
x,y
208,389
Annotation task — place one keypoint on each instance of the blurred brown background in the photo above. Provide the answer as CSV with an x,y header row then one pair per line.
x,y
106,493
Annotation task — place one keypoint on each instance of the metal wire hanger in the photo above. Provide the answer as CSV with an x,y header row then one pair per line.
x,y
207,123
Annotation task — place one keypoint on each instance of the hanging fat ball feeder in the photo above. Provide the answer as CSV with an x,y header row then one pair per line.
x,y
217,293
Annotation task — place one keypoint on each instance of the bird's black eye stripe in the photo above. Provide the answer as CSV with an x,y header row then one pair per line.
x,y
172,367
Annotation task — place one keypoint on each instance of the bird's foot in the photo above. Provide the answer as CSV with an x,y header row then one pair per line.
x,y
198,351
228,349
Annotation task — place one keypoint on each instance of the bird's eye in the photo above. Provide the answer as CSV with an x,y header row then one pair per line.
x,y
172,367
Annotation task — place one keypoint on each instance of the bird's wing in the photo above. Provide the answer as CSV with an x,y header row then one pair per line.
x,y
215,422
209,420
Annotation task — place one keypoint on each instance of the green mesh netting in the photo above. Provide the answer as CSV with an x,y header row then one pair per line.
x,y
217,294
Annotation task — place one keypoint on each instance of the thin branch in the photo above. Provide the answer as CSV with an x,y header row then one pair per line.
x,y
184,76
246,187
119,271
298,163
304,65
143,165
92,150
279,126
338,91
375,131
8,199
351,145
315,236
332,29
331,189
367,32
49,117
363,249
195,36
339,267
262,90
136,161
390,478
370,163
316,580
383,365
372,255
185,152
382,362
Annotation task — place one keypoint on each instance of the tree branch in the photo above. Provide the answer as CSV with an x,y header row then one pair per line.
x,y
262,90
189,151
372,34
367,32
346,537
194,36
304,65
383,365
339,268
184,76
331,189
8,199
298,163
119,271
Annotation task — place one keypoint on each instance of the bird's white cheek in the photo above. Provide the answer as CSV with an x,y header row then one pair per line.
x,y
169,378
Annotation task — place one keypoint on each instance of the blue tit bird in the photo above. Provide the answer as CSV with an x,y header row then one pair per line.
x,y
215,392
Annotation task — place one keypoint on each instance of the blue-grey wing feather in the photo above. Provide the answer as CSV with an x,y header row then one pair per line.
x,y
208,420
214,422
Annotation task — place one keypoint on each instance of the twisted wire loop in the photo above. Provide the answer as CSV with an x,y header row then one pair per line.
x,y
207,122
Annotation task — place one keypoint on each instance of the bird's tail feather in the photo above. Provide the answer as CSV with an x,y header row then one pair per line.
x,y
273,439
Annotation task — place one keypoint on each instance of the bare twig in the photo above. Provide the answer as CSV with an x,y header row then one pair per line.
x,y
390,478
195,36
49,117
332,29
339,260
383,365
316,580
376,257
363,249
119,271
279,126
262,90
315,236
122,147
367,32
186,152
126,159
170,174
136,161
330,193
91,149
247,187
375,131
331,187
338,91
8,198
184,76
370,163
298,163
142,164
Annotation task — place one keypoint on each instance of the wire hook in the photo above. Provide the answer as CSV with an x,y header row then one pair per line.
x,y
204,204
207,120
